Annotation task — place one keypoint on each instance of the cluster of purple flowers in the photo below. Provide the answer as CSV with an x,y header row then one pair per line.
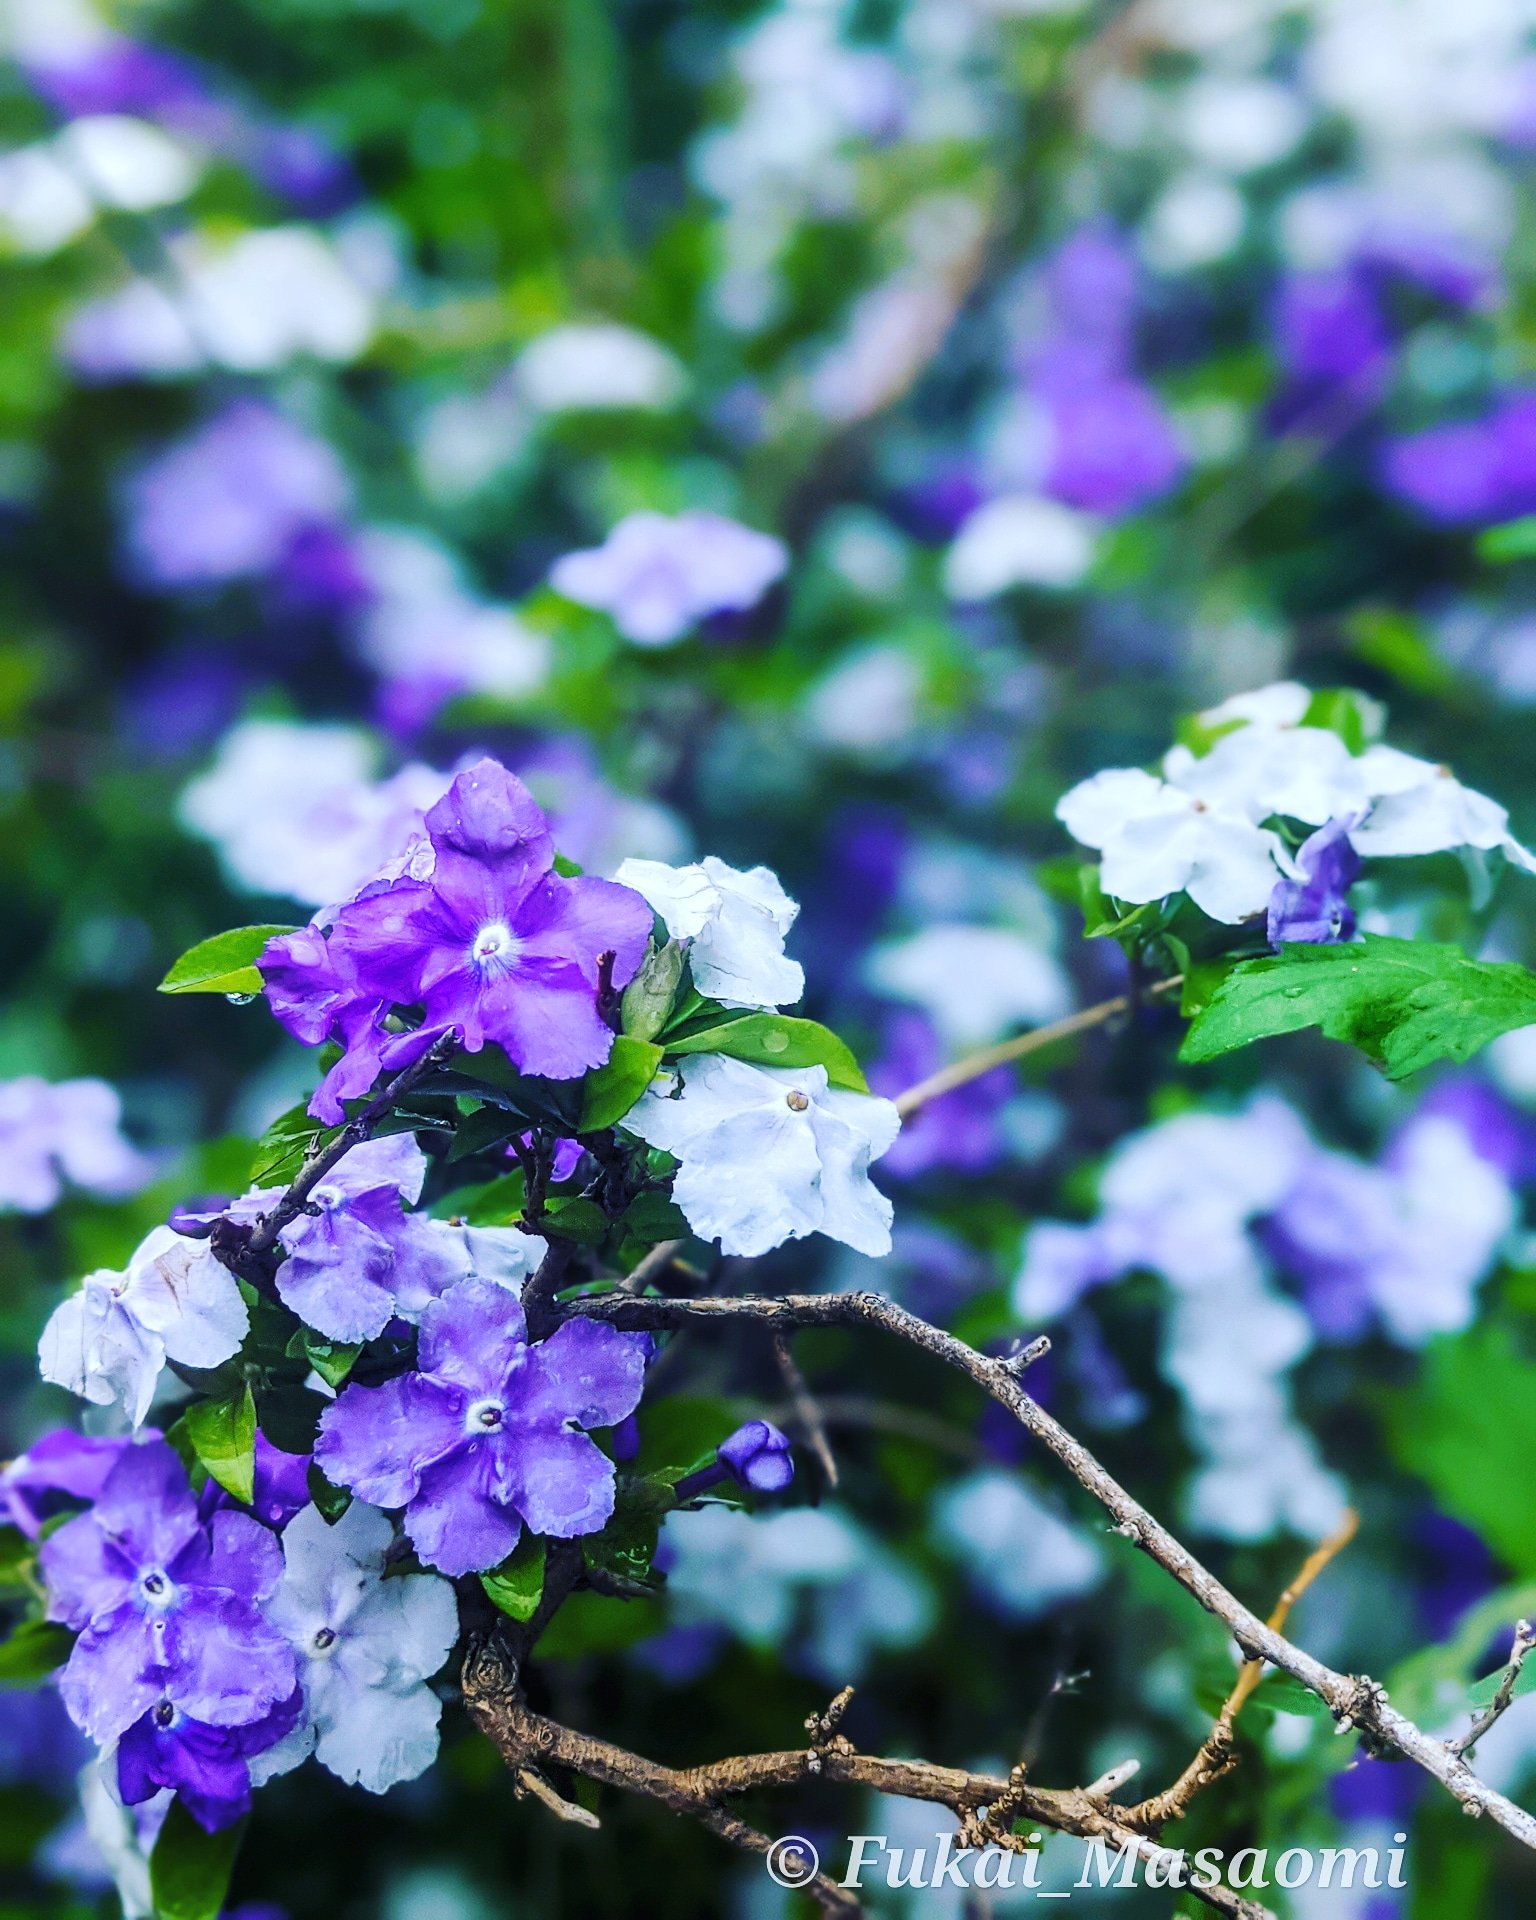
x,y
177,1671
478,932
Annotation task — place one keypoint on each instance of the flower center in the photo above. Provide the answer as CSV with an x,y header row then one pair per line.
x,y
157,1589
494,948
165,1713
796,1101
324,1640
485,1416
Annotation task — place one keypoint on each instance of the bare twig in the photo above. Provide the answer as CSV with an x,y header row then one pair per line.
x,y
807,1413
960,1072
527,1741
1355,1701
1216,1757
264,1237
1525,1639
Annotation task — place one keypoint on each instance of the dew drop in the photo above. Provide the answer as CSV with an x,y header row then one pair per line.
x,y
776,1040
241,999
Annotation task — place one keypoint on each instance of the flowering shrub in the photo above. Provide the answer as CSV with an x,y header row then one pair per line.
x,y
830,707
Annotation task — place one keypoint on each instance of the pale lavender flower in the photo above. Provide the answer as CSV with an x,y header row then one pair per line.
x,y
660,575
64,1131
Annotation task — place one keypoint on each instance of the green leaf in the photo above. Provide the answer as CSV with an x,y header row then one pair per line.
x,y
224,964
284,1147
18,1558
653,1216
487,1127
573,1218
290,1417
223,1436
1350,715
627,1545
189,1870
1468,1429
609,1091
1514,540
777,1040
517,1585
1403,1003
332,1501
495,1203
647,1002
32,1652
1483,1690
679,1435
333,1360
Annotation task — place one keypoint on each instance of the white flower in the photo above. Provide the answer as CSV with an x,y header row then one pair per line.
x,y
974,983
173,1301
1021,540
1024,1555
597,365
1158,839
367,1648
770,1153
1422,808
293,809
736,922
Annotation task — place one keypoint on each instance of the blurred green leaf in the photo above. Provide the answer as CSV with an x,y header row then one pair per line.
x,y
32,1651
189,1870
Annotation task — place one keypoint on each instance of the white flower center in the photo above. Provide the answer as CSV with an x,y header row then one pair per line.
x,y
485,1416
796,1101
158,1590
324,1641
494,948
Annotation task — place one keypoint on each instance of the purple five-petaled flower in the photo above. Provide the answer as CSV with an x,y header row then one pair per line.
x,y
1314,908
483,1438
209,1767
492,945
166,1607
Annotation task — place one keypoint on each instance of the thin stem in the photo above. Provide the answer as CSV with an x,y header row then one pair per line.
x,y
976,1064
1525,1639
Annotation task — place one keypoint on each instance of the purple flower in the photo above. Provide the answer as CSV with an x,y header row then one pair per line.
x,y
352,1259
1315,907
482,1438
62,1130
119,75
59,1468
1331,340
166,1607
494,945
660,575
230,499
1469,472
961,1130
757,1455
1112,447
207,1765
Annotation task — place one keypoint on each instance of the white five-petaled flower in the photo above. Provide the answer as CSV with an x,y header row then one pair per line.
x,y
367,1647
1199,829
173,1301
735,922
770,1153
1158,839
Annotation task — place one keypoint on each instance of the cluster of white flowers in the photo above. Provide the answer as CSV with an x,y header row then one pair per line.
x,y
767,1153
1201,828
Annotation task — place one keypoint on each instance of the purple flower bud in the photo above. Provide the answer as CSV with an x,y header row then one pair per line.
x,y
758,1454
